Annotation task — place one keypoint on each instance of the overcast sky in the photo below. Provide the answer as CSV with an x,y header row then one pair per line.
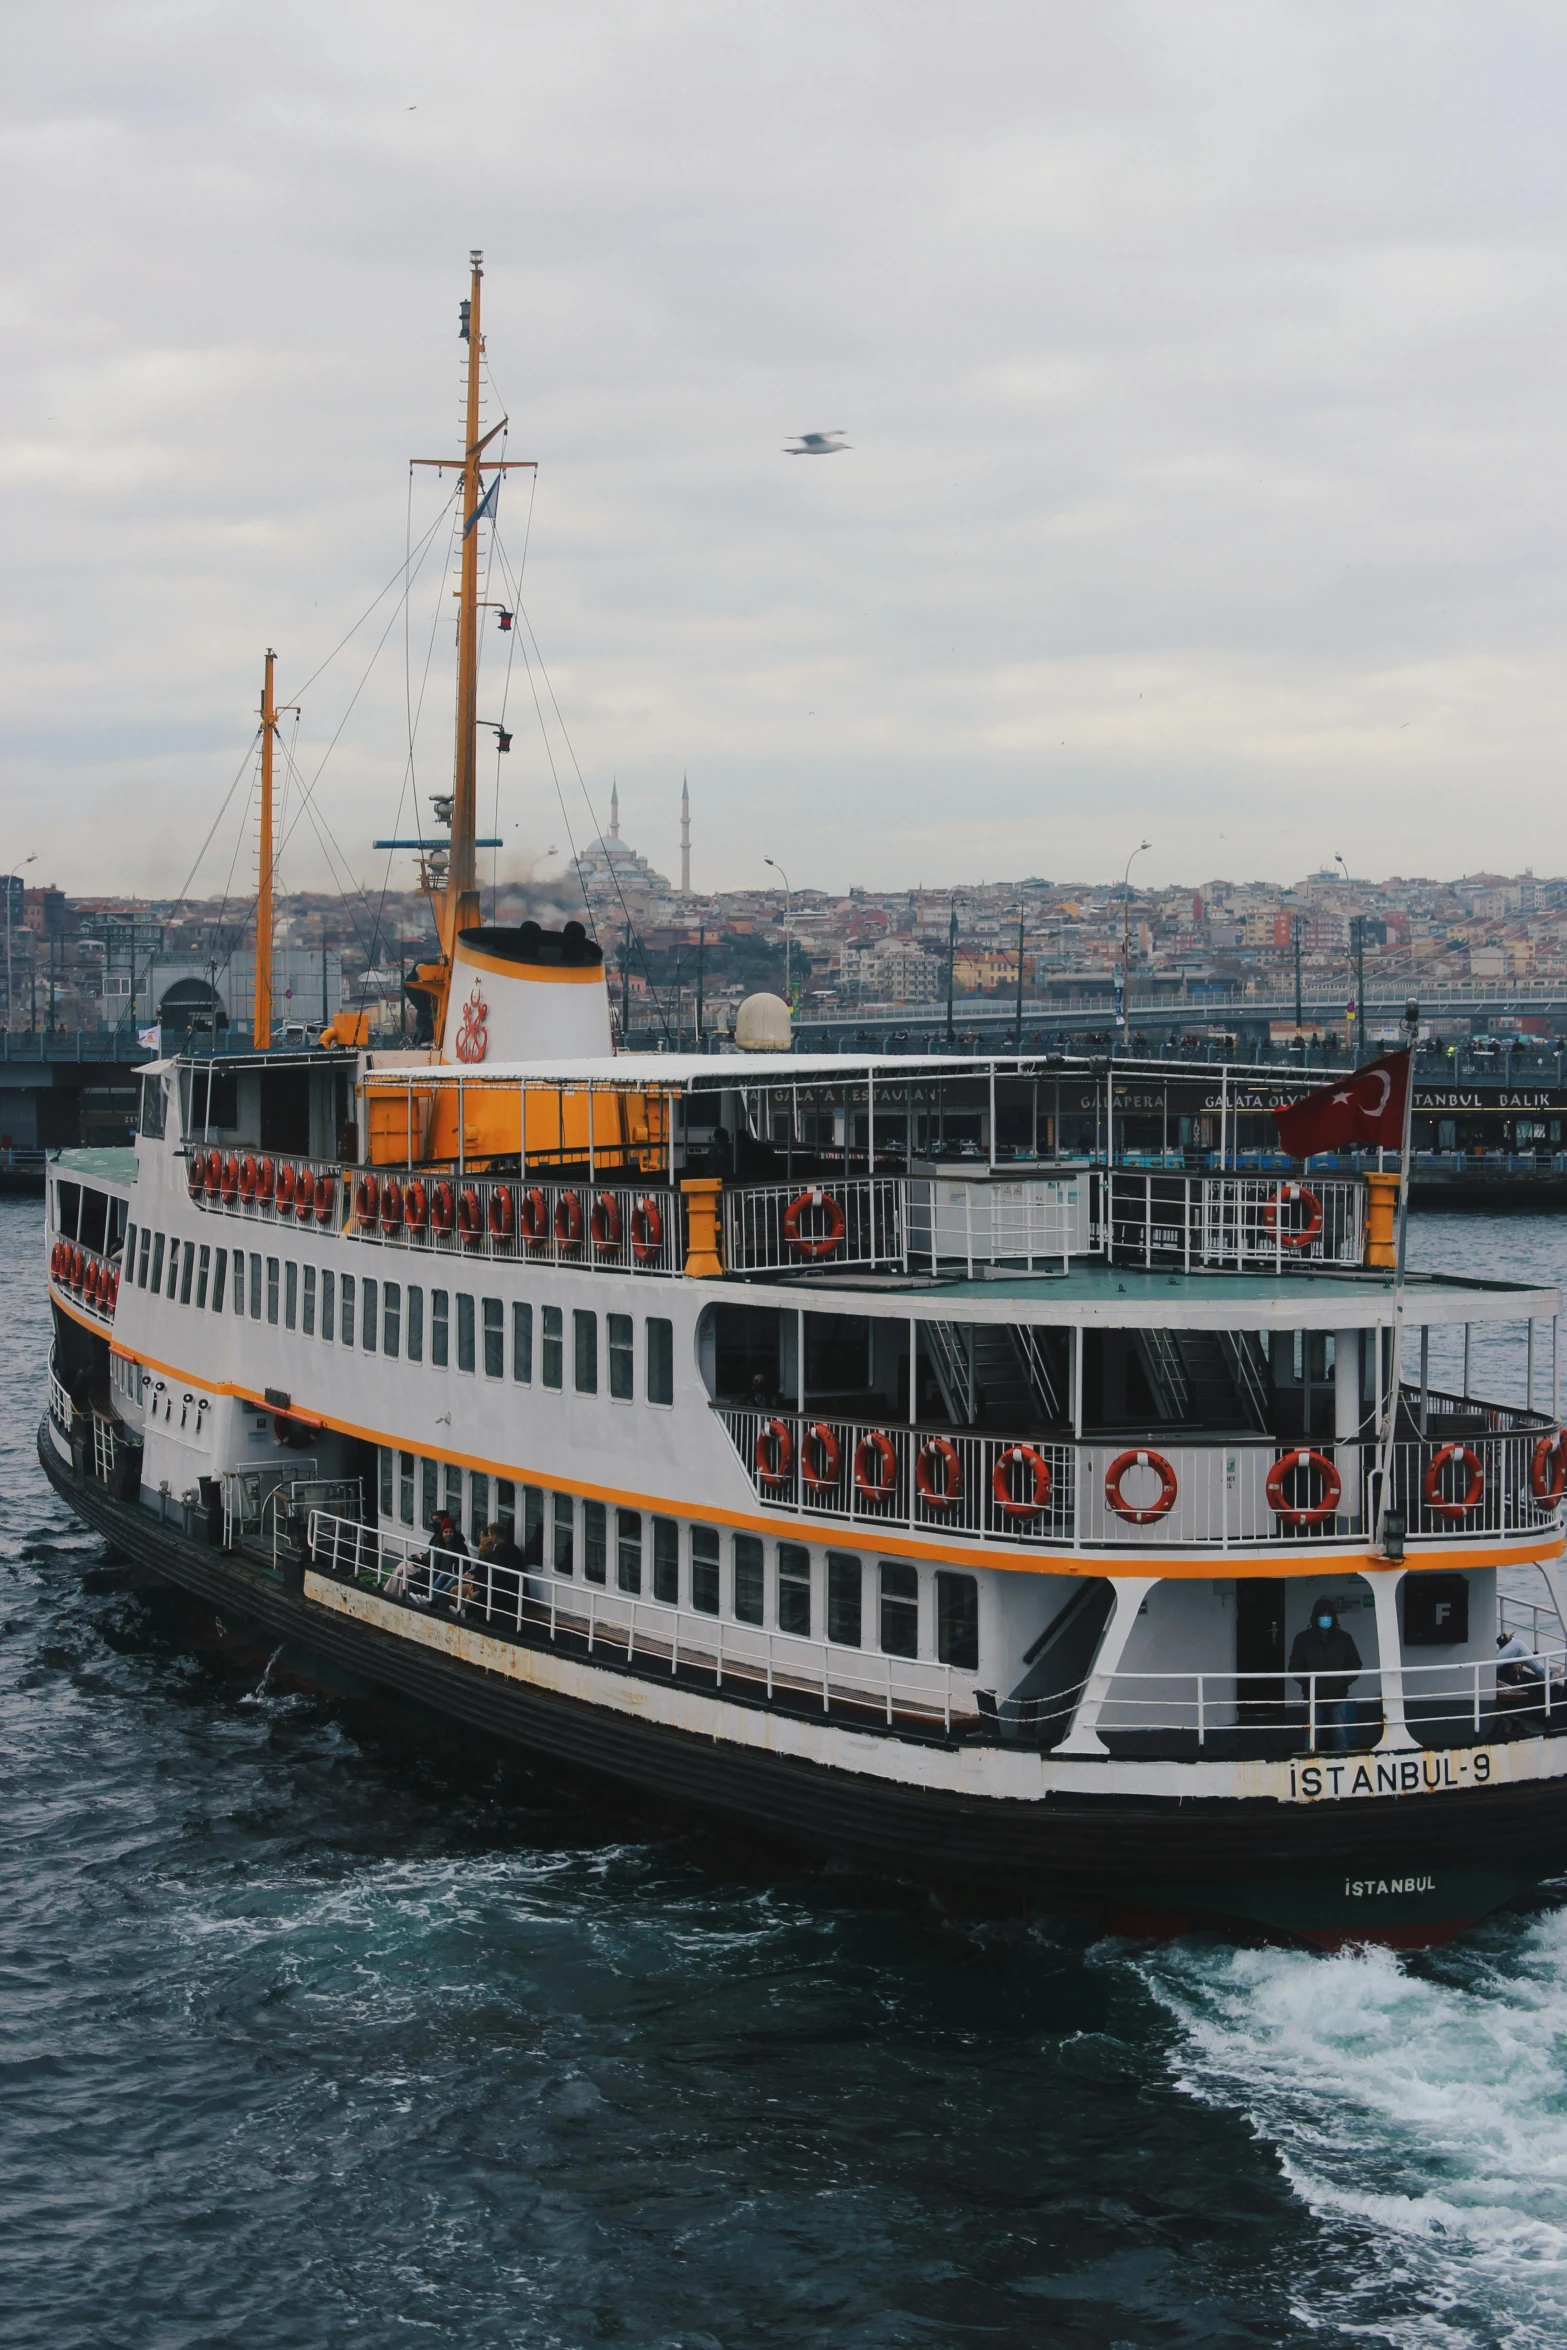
x,y
1203,366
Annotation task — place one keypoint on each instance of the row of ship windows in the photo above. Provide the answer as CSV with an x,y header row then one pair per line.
x,y
685,1566
388,1317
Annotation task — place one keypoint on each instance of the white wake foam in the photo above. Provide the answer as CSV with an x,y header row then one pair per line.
x,y
1420,2112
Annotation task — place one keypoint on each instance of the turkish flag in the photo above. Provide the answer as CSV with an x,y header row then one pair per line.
x,y
1367,1108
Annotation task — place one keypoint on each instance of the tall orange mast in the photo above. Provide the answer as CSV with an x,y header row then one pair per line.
x,y
459,909
263,1027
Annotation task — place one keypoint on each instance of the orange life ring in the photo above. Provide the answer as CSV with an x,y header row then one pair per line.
x,y
1021,1456
821,1456
54,1262
774,1454
114,1287
266,1181
416,1205
195,1172
604,1223
876,1447
568,1220
470,1219
533,1218
214,1173
1294,1235
825,1242
647,1229
1303,1457
1548,1470
247,1177
325,1198
391,1208
1431,1482
443,1208
942,1496
230,1180
304,1192
500,1215
1168,1488
90,1282
367,1199
285,1189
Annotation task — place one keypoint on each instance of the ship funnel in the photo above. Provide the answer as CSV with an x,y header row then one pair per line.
x,y
527,994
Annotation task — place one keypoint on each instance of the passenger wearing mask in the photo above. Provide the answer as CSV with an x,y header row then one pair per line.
x,y
1325,1649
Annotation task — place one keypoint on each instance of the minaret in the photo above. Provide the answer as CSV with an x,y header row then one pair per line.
x,y
614,811
685,838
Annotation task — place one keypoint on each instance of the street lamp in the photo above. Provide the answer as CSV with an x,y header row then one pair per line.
x,y
1126,936
788,926
11,880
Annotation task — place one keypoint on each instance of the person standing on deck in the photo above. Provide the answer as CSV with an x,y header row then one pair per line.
x,y
1323,1648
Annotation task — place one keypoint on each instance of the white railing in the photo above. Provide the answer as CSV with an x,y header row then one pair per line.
x,y
248,1493
1265,1221
617,1227
59,1404
268,1187
638,1631
832,1222
1462,1696
1048,1491
92,1280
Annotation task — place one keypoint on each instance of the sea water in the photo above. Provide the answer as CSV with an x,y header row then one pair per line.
x,y
316,2029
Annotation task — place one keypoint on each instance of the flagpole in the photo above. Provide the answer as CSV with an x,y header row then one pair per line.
x,y
1390,1419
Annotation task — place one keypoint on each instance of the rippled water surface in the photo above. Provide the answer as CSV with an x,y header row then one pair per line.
x,y
318,2029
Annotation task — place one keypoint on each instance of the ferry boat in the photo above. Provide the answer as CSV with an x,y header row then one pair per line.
x,y
857,1448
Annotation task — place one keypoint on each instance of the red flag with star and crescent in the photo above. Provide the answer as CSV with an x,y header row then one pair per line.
x,y
1365,1109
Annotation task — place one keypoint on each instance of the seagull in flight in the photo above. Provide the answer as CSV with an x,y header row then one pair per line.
x,y
818,444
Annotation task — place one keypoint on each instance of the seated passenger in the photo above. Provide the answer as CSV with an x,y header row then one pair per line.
x,y
1520,1677
1325,1650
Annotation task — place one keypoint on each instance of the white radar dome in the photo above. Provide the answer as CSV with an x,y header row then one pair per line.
x,y
763,1025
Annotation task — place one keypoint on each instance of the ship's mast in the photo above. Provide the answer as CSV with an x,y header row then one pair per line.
x,y
263,1027
459,908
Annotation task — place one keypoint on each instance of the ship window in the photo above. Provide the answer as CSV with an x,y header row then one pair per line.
x,y
560,1533
844,1579
660,1360
203,1269
141,1270
522,1343
666,1561
388,1464
585,1352
391,1318
369,1298
532,1532
553,1349
157,1264
794,1589
704,1570
405,1487
220,1266
255,1286
307,1315
273,1270
506,1507
328,1296
494,1339
750,1583
190,1267
174,1265
440,1305
290,1294
595,1542
900,1610
429,1492
152,1107
957,1621
453,1503
345,1300
239,1281
415,1324
628,1550
130,1239
478,1506
620,1331
464,1331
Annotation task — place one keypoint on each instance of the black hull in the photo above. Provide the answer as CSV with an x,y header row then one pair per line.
x,y
1277,1865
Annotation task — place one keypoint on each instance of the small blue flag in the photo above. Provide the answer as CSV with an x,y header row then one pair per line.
x,y
485,509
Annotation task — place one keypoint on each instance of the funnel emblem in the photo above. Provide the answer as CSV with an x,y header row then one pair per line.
x,y
473,1035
